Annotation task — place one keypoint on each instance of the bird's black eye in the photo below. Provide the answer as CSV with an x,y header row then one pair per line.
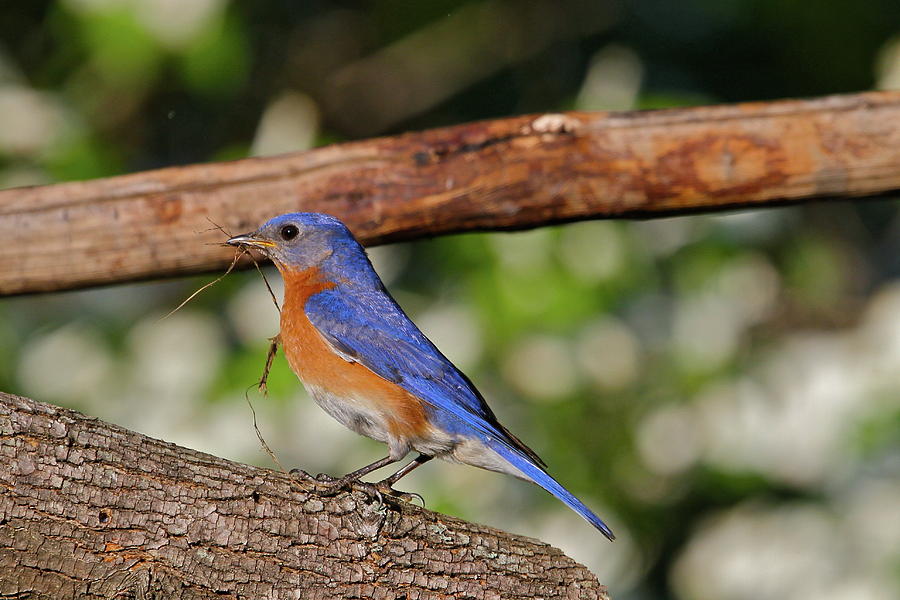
x,y
289,232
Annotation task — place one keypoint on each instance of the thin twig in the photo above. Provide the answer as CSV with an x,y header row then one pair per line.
x,y
270,357
259,435
273,348
210,284
266,281
217,227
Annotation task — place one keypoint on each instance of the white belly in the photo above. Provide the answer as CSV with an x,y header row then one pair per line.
x,y
364,418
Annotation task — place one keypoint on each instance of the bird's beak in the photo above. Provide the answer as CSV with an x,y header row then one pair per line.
x,y
249,240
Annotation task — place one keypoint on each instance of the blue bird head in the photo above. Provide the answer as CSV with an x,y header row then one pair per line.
x,y
299,241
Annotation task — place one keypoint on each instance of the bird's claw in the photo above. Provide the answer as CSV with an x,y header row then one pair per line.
x,y
383,488
318,478
331,486
301,474
378,490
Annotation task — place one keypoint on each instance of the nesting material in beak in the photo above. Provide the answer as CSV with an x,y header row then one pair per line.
x,y
248,240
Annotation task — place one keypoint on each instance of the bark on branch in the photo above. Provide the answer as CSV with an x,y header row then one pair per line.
x,y
504,174
90,510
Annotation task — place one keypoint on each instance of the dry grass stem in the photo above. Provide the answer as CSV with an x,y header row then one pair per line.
x,y
237,257
270,357
259,436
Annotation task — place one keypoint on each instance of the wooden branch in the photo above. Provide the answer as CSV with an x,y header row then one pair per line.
x,y
90,510
505,174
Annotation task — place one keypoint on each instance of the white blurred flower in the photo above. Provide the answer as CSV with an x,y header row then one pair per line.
x,y
523,251
609,353
593,251
175,23
663,237
226,429
649,315
177,355
389,261
94,6
888,67
792,419
751,284
23,175
871,514
288,124
709,323
879,339
613,80
252,312
69,364
755,554
455,331
172,362
31,122
854,587
761,553
669,439
706,331
542,367
793,427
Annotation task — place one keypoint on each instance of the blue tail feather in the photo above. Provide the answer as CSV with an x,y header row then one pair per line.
x,y
540,477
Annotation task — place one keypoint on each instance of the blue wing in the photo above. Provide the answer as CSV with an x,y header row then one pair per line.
x,y
367,326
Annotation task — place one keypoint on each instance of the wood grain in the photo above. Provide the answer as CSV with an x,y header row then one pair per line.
x,y
510,173
89,510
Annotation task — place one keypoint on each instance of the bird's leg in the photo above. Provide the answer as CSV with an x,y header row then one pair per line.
x,y
405,470
386,485
336,485
270,356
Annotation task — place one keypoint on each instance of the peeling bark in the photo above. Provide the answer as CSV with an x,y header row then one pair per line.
x,y
91,510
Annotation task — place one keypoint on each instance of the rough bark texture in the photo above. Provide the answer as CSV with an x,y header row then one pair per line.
x,y
504,174
91,510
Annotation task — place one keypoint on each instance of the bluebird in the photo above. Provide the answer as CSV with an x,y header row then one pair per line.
x,y
367,365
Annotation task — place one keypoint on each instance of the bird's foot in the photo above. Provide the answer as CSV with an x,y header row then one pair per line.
x,y
331,486
328,485
383,487
380,491
304,476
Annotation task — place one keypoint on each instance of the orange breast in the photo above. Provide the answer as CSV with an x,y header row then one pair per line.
x,y
315,363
